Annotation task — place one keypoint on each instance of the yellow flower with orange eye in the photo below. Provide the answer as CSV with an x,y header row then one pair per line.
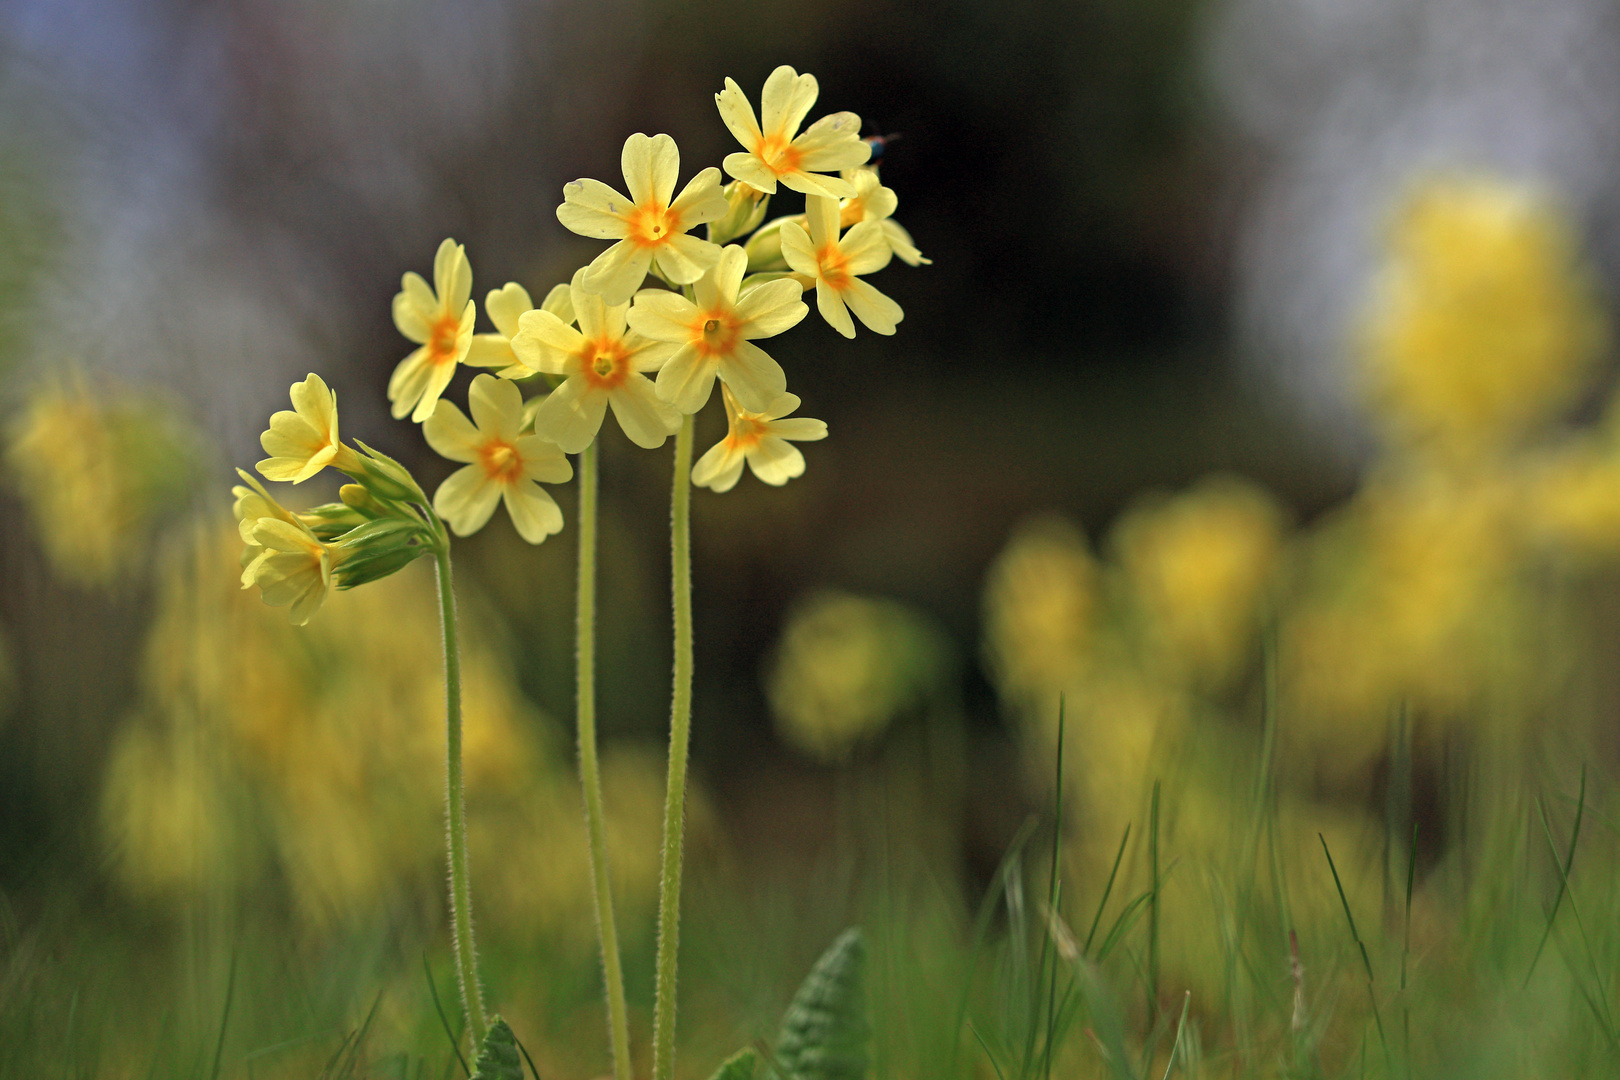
x,y
715,334
502,464
775,150
761,440
874,202
648,225
836,265
304,441
440,320
603,364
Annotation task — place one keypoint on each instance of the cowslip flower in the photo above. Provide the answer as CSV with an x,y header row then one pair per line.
x,y
602,363
647,225
303,441
775,150
874,202
836,263
503,305
760,439
440,319
291,567
501,463
715,335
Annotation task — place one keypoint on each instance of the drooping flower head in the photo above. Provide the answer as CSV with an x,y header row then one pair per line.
x,y
440,320
501,463
648,225
776,151
602,363
291,566
715,335
303,441
836,264
760,440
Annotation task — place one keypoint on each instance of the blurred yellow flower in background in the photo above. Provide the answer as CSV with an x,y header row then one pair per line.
x,y
1197,566
1484,323
847,666
95,476
1042,606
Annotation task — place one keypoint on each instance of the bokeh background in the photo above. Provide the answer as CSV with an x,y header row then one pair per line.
x,y
1256,401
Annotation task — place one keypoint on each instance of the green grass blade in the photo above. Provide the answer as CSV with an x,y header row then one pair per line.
x,y
444,1021
1108,889
1366,961
1153,905
224,1019
981,928
1186,1000
1563,874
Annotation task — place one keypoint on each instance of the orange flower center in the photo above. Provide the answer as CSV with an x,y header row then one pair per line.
x,y
604,363
441,343
834,267
501,461
779,154
745,432
717,333
851,212
652,225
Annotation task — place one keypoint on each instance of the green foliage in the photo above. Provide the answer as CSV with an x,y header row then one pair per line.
x,y
498,1058
739,1066
824,1032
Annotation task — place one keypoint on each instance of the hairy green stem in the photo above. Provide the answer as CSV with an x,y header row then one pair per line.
x,y
472,997
680,730
590,774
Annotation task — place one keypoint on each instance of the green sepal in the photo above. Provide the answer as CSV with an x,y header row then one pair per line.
x,y
386,478
739,1066
764,248
330,520
746,210
378,531
498,1057
824,1031
363,567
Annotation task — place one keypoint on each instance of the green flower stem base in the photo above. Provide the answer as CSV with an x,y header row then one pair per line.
x,y
472,997
590,776
680,729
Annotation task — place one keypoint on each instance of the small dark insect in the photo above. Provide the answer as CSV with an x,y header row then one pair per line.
x,y
877,143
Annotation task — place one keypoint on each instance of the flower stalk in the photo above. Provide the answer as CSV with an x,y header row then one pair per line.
x,y
590,775
680,729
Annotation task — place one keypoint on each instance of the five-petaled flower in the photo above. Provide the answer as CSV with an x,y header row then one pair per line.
x,y
836,264
647,225
715,334
602,363
874,202
303,441
288,562
776,152
440,319
760,439
501,463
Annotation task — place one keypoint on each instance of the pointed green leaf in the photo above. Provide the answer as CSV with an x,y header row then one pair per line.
x,y
739,1066
824,1031
498,1057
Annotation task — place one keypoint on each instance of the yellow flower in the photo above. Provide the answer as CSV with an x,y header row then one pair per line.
x,y
1484,324
303,442
760,439
504,306
292,566
1042,606
715,334
647,225
440,319
874,202
502,464
603,365
836,265
776,152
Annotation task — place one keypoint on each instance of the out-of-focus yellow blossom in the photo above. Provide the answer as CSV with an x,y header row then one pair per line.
x,y
95,476
836,265
647,225
874,202
291,567
502,463
1041,608
602,365
776,152
311,760
440,320
1572,495
504,306
1483,324
846,666
1197,566
715,335
304,441
760,439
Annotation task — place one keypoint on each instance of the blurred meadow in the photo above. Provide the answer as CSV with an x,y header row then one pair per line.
x,y
1192,652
